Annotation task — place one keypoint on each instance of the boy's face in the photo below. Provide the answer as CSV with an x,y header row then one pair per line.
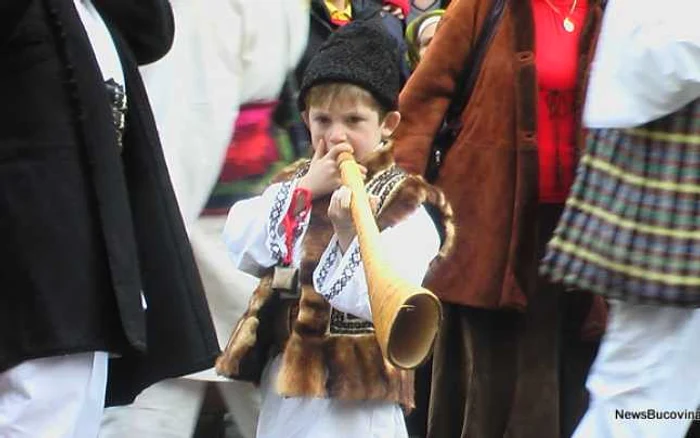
x,y
350,121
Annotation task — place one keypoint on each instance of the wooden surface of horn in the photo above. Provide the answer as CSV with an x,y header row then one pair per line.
x,y
406,317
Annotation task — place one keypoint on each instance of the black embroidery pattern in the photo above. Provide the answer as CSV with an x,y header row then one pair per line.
x,y
274,219
325,269
384,183
302,170
117,100
347,324
346,275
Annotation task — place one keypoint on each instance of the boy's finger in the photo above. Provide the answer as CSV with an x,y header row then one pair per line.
x,y
335,197
345,196
320,150
337,149
363,170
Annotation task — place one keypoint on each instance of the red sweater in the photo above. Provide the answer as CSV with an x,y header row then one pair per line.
x,y
557,66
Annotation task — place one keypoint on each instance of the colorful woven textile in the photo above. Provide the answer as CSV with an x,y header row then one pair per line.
x,y
631,226
258,150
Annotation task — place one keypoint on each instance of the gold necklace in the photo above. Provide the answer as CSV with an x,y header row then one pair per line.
x,y
568,24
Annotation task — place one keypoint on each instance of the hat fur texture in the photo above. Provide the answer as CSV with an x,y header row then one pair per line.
x,y
360,53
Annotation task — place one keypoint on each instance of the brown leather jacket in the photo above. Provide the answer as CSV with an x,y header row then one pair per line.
x,y
490,174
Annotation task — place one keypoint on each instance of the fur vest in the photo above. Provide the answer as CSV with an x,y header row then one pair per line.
x,y
328,353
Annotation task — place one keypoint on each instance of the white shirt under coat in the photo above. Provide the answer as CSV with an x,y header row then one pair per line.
x,y
101,41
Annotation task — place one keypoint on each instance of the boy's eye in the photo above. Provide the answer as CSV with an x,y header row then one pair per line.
x,y
322,120
355,119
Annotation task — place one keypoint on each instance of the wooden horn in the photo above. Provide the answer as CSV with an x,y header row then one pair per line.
x,y
406,317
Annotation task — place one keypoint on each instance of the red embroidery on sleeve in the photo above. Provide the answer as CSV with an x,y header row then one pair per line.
x,y
291,220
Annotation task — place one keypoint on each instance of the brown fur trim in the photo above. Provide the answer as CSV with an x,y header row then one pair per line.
x,y
402,204
356,360
303,370
244,336
289,171
242,340
380,159
414,192
318,235
314,313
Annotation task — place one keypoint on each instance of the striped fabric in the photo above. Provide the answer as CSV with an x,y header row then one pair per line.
x,y
631,226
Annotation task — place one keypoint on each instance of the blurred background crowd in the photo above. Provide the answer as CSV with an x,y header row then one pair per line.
x,y
130,127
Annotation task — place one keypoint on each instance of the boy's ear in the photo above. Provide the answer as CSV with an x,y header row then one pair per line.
x,y
305,117
390,123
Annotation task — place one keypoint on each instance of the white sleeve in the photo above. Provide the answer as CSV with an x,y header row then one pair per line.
x,y
408,248
254,234
647,63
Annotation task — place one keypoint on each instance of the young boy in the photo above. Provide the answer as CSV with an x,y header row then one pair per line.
x,y
330,378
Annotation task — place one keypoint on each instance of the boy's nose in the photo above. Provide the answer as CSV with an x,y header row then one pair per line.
x,y
337,135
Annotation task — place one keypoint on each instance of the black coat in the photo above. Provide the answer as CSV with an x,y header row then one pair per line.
x,y
87,227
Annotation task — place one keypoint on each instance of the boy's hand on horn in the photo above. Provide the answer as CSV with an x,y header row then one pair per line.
x,y
323,176
341,217
340,214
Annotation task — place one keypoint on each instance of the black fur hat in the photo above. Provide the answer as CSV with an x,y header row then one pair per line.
x,y
361,53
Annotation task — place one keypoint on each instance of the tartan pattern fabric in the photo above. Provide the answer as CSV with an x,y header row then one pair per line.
x,y
631,226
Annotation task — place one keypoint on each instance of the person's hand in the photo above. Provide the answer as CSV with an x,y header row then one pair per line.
x,y
394,10
323,176
340,214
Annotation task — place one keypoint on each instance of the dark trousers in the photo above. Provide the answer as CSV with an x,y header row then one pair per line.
x,y
506,374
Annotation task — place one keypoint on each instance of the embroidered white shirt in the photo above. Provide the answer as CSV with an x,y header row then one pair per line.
x,y
255,241
254,234
101,41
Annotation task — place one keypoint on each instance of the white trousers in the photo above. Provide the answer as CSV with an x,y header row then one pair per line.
x,y
648,366
300,417
54,397
169,409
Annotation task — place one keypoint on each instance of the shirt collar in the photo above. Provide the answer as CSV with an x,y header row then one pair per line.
x,y
339,14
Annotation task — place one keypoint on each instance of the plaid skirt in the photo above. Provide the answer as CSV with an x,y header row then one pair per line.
x,y
631,226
